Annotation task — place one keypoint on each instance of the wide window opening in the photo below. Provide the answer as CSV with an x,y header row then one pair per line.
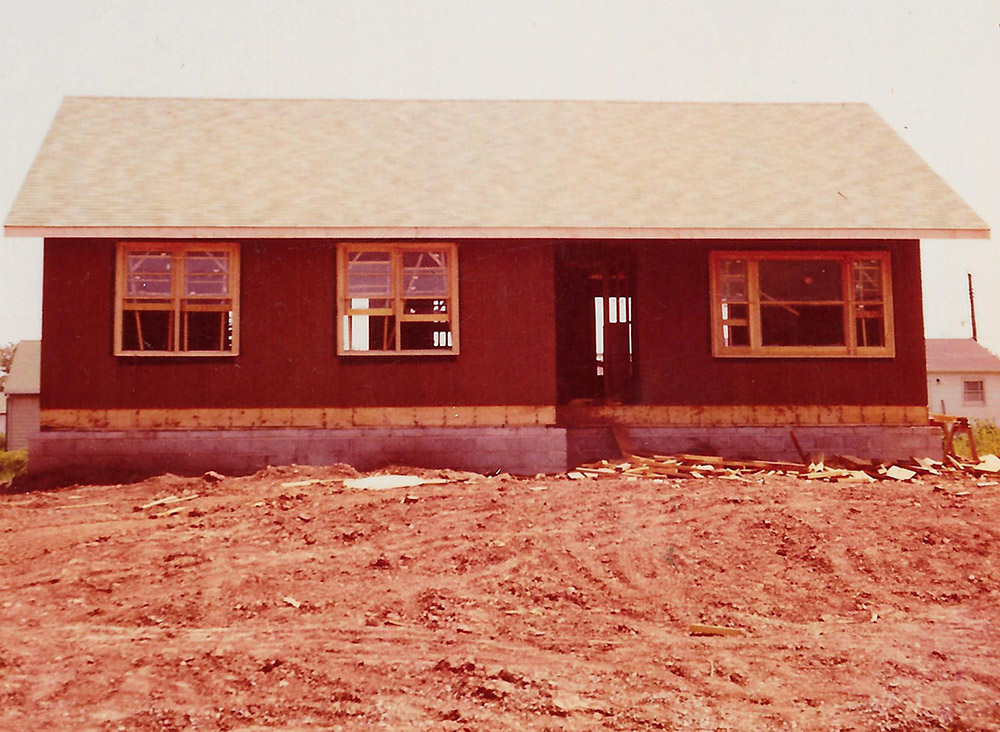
x,y
801,304
176,299
397,299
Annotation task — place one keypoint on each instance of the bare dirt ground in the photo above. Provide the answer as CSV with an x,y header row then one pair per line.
x,y
500,604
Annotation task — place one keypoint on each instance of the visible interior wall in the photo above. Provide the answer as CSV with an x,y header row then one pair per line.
x,y
287,325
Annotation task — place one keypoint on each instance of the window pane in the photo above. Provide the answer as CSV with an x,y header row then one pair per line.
x,y
370,333
870,325
736,335
206,274
416,336
973,392
423,306
362,303
868,280
147,330
369,274
735,312
425,274
733,280
802,325
149,274
208,331
800,280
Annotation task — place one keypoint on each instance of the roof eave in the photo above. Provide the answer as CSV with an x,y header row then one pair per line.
x,y
483,232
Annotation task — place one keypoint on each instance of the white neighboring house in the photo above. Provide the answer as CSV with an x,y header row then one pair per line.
x,y
963,379
3,412
22,394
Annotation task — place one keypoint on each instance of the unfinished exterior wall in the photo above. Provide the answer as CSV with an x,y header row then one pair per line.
x,y
673,323
287,396
288,355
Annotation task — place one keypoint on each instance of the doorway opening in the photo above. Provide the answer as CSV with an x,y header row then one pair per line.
x,y
596,349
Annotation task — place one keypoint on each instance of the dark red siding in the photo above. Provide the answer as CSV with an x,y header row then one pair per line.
x,y
288,355
508,337
676,365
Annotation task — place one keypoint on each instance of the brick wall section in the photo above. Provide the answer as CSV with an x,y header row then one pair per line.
x,y
517,450
881,442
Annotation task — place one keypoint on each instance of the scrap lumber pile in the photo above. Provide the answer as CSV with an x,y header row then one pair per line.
x,y
835,469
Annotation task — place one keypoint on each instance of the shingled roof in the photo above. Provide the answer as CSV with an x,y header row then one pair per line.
x,y
206,167
959,354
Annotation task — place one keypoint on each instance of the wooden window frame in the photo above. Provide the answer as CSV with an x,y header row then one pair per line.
x,y
981,401
396,250
756,349
177,251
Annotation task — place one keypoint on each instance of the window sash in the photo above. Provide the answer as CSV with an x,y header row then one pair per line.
x,y
413,289
740,308
973,391
194,286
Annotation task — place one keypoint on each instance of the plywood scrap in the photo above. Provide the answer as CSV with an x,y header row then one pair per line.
x,y
988,464
897,473
386,482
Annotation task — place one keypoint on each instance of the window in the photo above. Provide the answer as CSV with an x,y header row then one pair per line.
x,y
397,299
973,392
177,299
786,304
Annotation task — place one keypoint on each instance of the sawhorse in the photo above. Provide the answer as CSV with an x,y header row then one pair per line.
x,y
952,426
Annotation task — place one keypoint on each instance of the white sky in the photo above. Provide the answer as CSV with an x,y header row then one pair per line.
x,y
931,69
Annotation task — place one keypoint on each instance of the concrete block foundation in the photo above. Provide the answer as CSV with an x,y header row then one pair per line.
x,y
516,450
880,442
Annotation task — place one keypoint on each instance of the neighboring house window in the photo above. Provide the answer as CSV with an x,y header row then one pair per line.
x,y
397,299
177,299
809,304
973,391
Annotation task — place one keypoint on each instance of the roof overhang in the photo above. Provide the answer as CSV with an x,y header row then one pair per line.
x,y
253,168
446,232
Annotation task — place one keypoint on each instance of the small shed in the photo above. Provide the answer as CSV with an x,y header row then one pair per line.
x,y
963,378
23,387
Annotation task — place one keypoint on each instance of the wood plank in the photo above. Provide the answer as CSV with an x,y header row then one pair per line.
x,y
699,629
314,418
623,440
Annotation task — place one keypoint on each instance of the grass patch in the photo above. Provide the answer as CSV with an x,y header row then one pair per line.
x,y
987,435
12,464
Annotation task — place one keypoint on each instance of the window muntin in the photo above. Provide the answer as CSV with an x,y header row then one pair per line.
x,y
177,299
786,304
973,391
397,299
